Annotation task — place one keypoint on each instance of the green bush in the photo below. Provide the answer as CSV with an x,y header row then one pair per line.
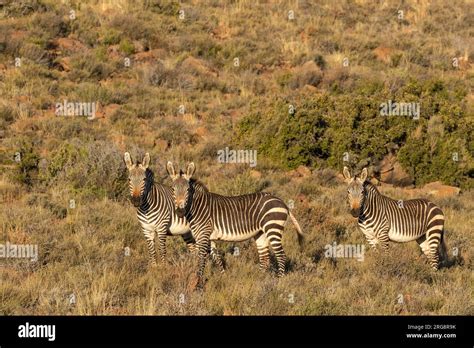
x,y
322,129
27,160
91,168
89,67
127,47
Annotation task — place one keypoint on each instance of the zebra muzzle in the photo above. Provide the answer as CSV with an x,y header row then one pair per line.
x,y
355,212
180,212
136,200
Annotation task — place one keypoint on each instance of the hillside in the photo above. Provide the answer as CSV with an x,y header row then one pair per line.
x,y
307,87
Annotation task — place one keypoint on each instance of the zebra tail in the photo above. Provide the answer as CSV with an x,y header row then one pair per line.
x,y
443,249
298,229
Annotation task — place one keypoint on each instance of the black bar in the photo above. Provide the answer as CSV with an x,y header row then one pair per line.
x,y
244,331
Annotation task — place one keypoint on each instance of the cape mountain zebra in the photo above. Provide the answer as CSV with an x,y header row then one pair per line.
x,y
382,219
238,218
155,209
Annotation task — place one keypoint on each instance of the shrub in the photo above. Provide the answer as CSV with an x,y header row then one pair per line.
x,y
48,25
323,128
127,47
6,115
111,37
91,168
27,159
88,66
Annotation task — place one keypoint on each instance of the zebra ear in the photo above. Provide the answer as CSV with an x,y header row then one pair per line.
x,y
346,173
363,175
170,170
128,160
146,161
190,171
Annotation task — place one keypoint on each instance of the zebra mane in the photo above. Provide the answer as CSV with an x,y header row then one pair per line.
x,y
149,174
368,185
371,189
149,179
197,183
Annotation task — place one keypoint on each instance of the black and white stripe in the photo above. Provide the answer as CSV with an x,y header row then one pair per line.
x,y
383,219
234,219
155,209
156,214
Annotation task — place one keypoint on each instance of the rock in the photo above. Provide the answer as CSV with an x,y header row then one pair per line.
x,y
303,171
149,56
390,171
69,45
438,189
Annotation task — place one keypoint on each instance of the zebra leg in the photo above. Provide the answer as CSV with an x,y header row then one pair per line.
x,y
383,239
162,244
372,242
190,242
216,257
150,240
263,251
430,245
203,244
274,237
423,244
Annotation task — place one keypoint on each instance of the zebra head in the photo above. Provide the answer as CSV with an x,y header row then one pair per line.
x,y
181,186
355,190
137,175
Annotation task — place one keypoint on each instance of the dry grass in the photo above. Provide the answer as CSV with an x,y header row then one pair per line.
x,y
82,266
83,254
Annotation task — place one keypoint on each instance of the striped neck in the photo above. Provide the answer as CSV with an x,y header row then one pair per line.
x,y
371,196
197,192
150,192
198,188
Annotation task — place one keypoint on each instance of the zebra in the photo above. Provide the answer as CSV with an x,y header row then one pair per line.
x,y
155,209
213,217
382,219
